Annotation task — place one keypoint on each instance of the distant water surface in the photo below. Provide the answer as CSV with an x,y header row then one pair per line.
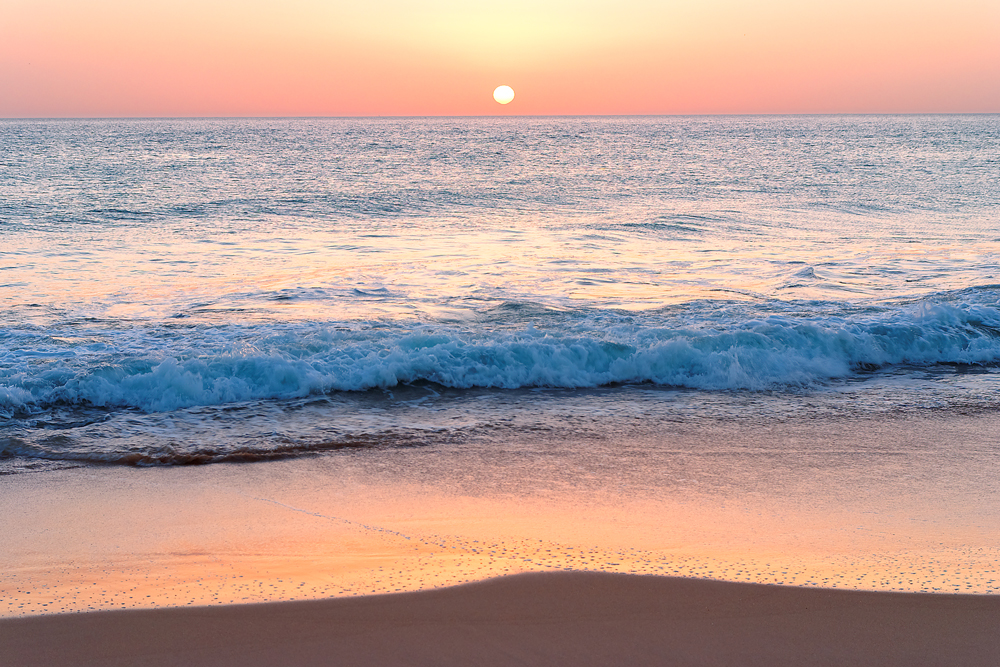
x,y
189,291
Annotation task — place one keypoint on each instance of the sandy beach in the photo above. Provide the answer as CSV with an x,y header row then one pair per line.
x,y
386,558
535,619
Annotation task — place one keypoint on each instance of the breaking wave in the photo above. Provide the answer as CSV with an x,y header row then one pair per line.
x,y
232,363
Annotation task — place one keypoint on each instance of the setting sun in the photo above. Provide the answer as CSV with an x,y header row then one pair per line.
x,y
503,94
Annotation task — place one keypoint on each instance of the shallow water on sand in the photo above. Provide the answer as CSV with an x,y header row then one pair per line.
x,y
895,504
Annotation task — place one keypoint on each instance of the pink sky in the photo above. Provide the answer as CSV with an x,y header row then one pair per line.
x,y
66,58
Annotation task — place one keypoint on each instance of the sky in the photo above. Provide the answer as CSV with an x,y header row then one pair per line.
x,y
114,58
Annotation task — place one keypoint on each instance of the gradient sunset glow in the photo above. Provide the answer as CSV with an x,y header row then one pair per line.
x,y
62,58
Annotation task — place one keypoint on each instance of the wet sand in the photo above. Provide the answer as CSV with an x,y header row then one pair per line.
x,y
114,538
535,619
374,556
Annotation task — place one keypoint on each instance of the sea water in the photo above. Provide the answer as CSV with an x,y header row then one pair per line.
x,y
209,290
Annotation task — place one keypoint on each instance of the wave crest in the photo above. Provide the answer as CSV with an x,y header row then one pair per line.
x,y
752,354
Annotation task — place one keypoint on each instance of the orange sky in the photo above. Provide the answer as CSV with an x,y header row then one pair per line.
x,y
71,58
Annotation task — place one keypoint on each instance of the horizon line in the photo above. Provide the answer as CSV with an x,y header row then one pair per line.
x,y
503,116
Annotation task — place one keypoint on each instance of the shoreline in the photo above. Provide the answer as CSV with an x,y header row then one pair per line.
x,y
568,618
906,507
695,549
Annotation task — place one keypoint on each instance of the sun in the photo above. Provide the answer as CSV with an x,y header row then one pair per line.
x,y
503,94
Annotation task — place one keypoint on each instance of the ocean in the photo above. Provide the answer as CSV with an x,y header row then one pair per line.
x,y
195,291
249,360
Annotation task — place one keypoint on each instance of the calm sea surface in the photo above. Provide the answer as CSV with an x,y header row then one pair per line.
x,y
191,291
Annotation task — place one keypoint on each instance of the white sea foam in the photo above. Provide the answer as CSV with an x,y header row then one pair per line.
x,y
767,352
